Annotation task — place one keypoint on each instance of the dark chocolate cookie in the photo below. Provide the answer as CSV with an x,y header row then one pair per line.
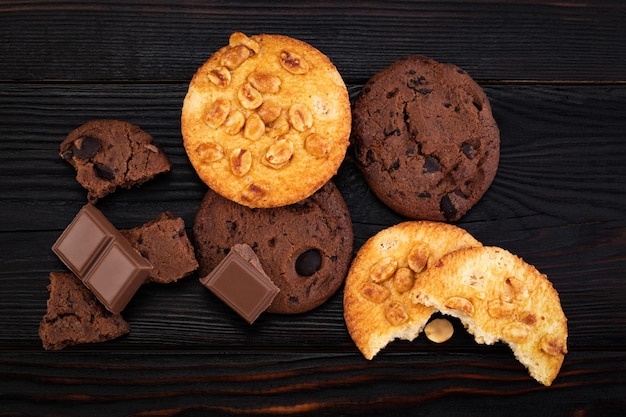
x,y
305,248
110,153
75,316
425,139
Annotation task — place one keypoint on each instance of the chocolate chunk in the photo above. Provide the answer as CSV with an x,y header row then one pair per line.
x,y
241,286
103,171
468,150
102,258
447,207
309,262
86,147
431,164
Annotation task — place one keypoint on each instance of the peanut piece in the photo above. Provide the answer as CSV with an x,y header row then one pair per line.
x,y
552,346
220,77
293,63
279,153
238,38
396,313
235,56
516,332
439,330
150,147
254,128
382,270
253,192
300,117
278,128
234,122
515,289
215,114
269,111
418,257
403,279
265,83
460,303
317,145
210,151
500,308
249,97
375,292
240,161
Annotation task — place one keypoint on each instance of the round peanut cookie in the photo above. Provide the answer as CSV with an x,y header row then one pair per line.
x,y
377,302
304,248
498,296
425,139
266,120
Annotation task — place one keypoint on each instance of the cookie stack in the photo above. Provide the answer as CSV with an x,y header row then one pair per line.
x,y
266,124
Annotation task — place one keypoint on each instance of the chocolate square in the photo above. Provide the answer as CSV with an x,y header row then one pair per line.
x,y
117,275
243,287
102,258
85,237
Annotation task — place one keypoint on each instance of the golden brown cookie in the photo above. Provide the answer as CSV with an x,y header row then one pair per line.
x,y
499,297
377,297
266,120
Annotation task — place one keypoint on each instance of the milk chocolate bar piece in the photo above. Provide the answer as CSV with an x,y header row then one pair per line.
x,y
246,289
102,258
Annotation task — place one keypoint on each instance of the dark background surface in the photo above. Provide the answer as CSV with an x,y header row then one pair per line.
x,y
555,73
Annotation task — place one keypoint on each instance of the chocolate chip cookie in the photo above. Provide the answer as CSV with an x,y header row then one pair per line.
x,y
304,248
266,120
425,139
108,154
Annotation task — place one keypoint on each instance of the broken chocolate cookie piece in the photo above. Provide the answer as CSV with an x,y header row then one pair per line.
x,y
108,154
164,242
75,316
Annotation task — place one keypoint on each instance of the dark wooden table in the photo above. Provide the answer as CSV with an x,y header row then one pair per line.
x,y
555,73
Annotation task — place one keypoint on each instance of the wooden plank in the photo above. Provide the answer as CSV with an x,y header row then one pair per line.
x,y
270,382
145,40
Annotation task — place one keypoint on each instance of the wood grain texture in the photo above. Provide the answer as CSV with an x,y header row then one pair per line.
x,y
555,73
168,41
300,383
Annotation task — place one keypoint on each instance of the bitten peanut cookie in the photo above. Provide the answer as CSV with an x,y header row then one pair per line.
x,y
425,139
266,120
108,154
305,248
499,297
377,296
